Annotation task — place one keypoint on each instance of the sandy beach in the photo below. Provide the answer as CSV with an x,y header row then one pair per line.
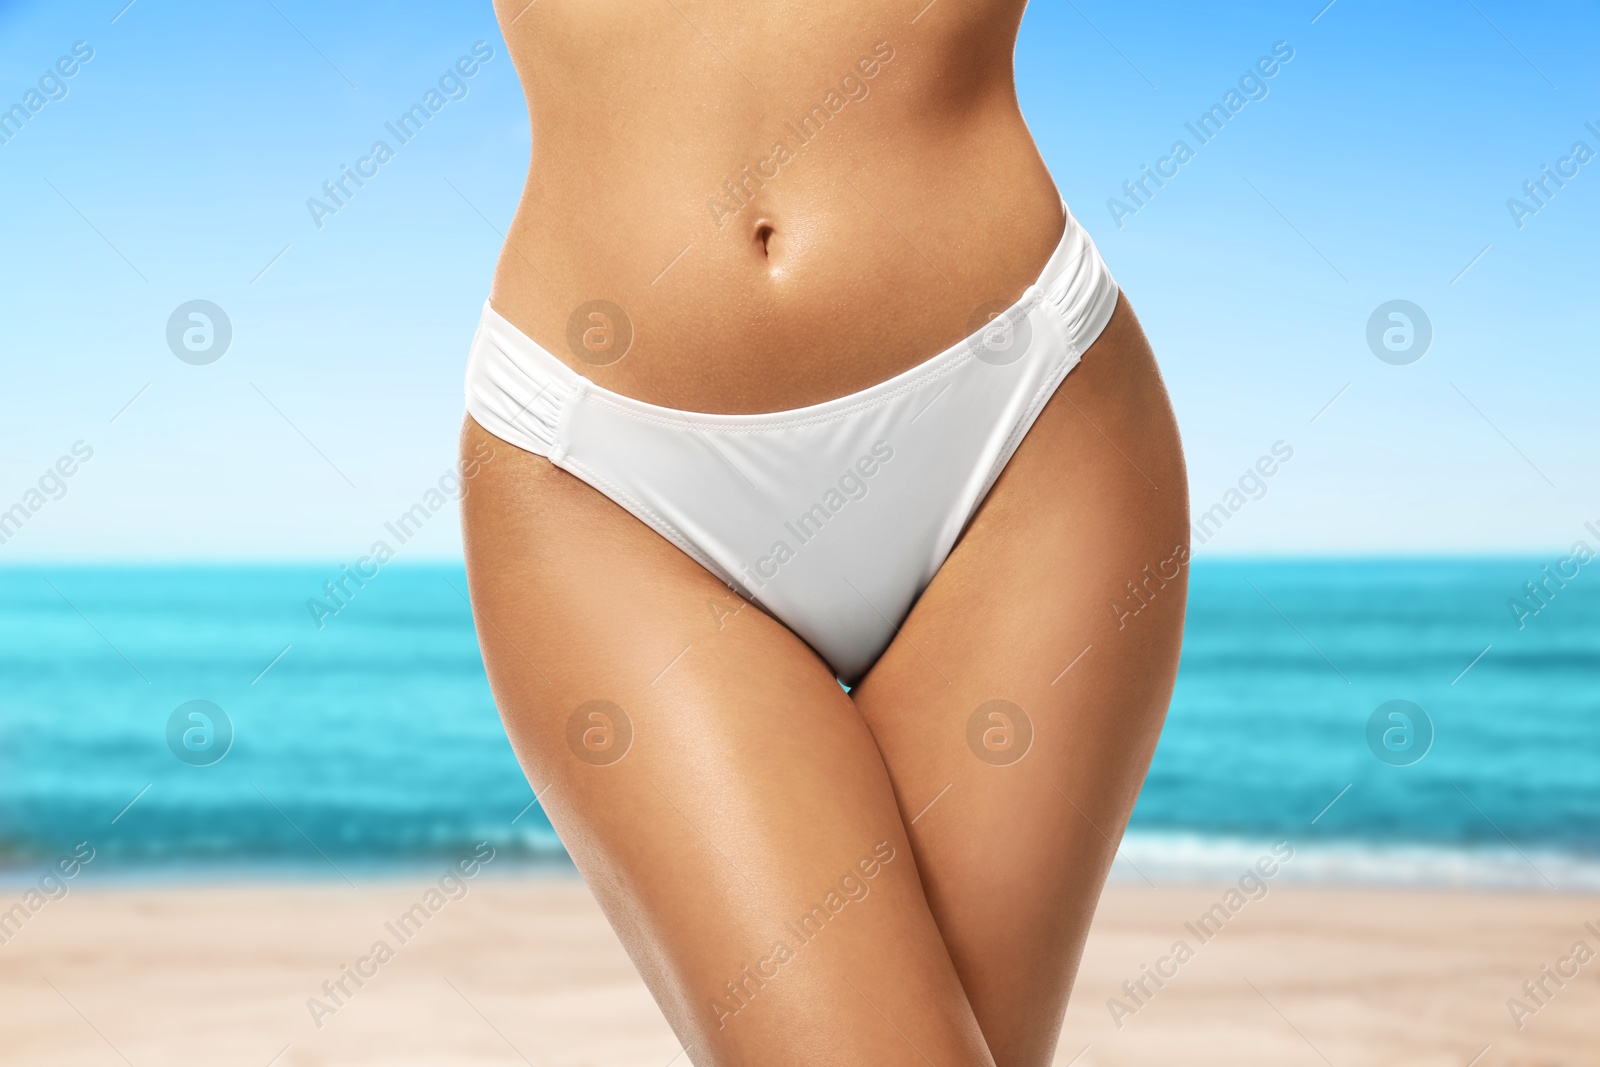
x,y
525,969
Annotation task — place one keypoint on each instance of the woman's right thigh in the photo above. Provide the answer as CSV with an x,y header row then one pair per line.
x,y
719,792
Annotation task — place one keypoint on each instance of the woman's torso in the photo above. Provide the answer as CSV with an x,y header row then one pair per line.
x,y
787,202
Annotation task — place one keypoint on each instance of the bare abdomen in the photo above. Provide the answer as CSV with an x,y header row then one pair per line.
x,y
767,215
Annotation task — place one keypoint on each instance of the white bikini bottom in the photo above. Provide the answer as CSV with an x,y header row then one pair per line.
x,y
835,517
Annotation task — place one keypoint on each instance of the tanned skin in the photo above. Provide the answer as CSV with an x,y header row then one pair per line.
x,y
753,786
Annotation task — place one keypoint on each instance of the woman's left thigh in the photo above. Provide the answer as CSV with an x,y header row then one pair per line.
x,y
1018,708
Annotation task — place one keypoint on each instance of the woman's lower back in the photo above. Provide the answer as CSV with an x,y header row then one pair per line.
x,y
777,206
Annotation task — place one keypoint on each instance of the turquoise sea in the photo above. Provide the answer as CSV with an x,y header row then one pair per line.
x,y
373,741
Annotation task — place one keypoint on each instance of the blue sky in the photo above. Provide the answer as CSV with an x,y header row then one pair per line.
x,y
1377,167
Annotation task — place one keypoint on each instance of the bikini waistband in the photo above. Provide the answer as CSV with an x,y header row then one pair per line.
x,y
517,390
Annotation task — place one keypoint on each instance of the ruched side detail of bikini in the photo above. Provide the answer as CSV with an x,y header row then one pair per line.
x,y
517,398
1080,289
